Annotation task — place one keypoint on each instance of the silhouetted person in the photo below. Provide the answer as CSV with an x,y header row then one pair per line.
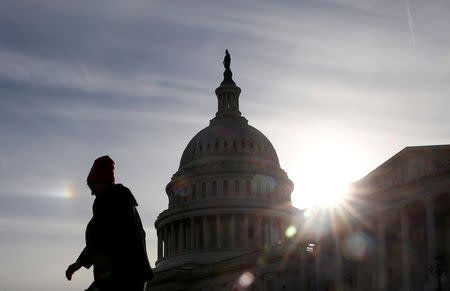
x,y
115,238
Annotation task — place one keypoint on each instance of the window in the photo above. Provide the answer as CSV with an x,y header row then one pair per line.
x,y
193,192
236,187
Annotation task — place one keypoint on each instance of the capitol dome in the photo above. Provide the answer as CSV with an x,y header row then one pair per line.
x,y
229,195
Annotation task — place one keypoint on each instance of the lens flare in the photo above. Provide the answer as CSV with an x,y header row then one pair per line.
x,y
246,279
180,187
290,231
261,261
307,213
357,246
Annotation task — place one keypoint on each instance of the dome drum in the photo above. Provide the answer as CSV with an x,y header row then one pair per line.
x,y
220,188
231,164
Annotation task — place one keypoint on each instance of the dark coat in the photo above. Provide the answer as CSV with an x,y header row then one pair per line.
x,y
115,239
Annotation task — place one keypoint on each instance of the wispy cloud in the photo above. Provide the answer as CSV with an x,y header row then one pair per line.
x,y
136,80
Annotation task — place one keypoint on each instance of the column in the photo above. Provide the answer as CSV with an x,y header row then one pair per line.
x,y
318,267
361,267
431,236
272,231
269,231
431,231
166,241
405,257
338,254
232,232
192,234
205,233
257,229
245,232
187,238
304,271
218,232
381,255
159,233
172,239
182,237
275,231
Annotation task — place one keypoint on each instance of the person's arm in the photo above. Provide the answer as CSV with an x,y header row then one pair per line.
x,y
84,260
72,269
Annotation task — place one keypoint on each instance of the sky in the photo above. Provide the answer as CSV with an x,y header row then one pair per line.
x,y
338,86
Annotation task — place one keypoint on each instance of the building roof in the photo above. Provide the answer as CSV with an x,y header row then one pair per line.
x,y
410,164
228,138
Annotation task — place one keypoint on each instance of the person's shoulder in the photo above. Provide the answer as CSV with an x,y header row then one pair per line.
x,y
121,188
124,195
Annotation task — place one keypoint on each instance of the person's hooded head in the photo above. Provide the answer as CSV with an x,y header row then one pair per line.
x,y
101,175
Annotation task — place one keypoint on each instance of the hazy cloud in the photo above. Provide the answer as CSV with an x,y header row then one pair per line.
x,y
136,80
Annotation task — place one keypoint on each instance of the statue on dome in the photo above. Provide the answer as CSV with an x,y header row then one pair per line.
x,y
227,60
227,75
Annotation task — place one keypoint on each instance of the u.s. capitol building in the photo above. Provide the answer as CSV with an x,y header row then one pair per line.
x,y
230,224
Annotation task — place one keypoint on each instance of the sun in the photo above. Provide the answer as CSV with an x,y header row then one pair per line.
x,y
323,174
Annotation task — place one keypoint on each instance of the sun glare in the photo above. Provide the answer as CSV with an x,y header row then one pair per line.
x,y
323,175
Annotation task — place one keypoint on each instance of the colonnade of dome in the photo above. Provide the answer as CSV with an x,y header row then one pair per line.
x,y
226,231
